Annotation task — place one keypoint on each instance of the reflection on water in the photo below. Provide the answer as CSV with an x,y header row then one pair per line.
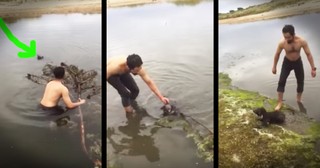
x,y
31,137
139,143
188,2
15,19
28,112
135,144
246,52
176,46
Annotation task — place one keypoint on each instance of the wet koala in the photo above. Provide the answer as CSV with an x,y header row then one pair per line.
x,y
169,109
274,117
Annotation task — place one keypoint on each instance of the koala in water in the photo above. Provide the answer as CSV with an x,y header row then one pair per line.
x,y
275,117
169,109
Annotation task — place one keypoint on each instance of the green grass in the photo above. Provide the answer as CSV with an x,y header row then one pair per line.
x,y
242,145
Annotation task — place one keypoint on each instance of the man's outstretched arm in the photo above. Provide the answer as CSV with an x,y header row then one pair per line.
x,y
145,77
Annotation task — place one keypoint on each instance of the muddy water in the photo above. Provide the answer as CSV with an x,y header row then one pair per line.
x,y
246,52
29,137
175,43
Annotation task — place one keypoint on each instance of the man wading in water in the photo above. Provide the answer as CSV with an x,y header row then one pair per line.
x,y
55,90
292,45
118,75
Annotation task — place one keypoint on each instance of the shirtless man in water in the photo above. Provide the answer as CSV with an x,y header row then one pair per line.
x,y
55,90
118,75
292,45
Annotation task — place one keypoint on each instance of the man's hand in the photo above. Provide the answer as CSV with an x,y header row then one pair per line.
x,y
274,70
313,73
82,101
164,100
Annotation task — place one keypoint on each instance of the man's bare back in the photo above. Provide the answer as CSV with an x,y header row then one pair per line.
x,y
117,66
52,93
55,90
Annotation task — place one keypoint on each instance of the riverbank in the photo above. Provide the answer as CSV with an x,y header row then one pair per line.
x,y
121,3
12,10
244,143
299,8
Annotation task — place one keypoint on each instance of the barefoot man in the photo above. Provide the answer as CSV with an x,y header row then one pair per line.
x,y
292,45
118,76
55,90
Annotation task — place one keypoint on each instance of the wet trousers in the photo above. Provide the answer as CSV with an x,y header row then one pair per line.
x,y
287,66
126,87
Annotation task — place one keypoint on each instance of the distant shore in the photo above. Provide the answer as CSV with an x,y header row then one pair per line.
x,y
123,3
17,9
120,3
306,8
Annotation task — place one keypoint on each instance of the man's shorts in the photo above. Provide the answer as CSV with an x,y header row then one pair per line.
x,y
56,110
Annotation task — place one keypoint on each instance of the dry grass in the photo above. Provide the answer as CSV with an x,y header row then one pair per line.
x,y
274,4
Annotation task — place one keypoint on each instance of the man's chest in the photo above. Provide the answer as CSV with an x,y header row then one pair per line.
x,y
293,47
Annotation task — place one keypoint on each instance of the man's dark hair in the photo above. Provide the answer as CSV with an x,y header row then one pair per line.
x,y
134,61
58,72
288,29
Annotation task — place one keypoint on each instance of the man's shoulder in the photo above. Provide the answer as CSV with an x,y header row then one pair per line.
x,y
142,73
114,62
301,39
57,85
282,42
64,87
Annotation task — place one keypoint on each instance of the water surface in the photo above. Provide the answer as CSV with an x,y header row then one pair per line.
x,y
31,138
176,45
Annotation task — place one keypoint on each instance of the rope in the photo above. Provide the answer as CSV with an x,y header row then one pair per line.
x,y
199,123
183,116
96,162
82,125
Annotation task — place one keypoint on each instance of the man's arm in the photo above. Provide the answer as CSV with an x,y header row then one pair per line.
x,y
145,77
67,100
276,57
308,53
309,56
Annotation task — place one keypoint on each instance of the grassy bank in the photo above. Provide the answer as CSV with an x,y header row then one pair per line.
x,y
274,4
242,143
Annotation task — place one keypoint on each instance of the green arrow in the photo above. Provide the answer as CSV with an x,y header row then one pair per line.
x,y
28,51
